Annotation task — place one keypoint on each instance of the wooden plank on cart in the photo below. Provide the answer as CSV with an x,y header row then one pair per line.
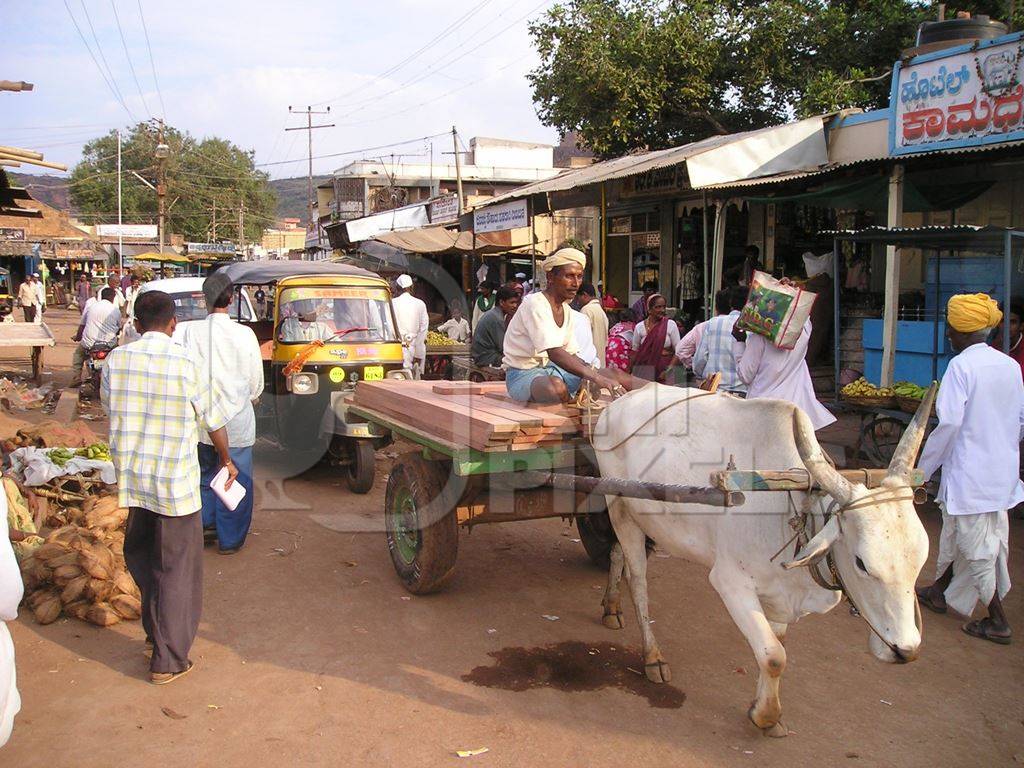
x,y
468,387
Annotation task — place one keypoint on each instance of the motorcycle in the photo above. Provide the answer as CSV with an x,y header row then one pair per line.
x,y
97,359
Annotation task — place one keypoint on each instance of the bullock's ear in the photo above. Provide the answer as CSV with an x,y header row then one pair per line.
x,y
817,547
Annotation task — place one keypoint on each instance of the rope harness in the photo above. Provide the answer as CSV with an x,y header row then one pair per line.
x,y
803,524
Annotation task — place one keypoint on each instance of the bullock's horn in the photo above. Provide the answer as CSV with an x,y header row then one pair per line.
x,y
837,486
903,459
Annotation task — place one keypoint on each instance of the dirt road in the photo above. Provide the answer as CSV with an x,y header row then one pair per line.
x,y
311,653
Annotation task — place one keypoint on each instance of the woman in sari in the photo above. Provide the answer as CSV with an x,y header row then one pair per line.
x,y
654,342
619,350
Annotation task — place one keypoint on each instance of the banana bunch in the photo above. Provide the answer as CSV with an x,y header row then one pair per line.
x,y
97,451
909,389
438,339
864,388
60,456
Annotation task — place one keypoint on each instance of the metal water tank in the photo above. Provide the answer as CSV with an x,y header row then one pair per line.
x,y
959,31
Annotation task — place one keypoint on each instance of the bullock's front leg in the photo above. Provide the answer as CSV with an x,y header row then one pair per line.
x,y
634,551
612,599
745,608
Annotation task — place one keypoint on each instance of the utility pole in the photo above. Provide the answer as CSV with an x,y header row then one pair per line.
x,y
120,235
162,151
213,235
241,223
309,128
458,167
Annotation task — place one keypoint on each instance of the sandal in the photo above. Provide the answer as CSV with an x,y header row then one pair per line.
x,y
924,597
983,628
163,678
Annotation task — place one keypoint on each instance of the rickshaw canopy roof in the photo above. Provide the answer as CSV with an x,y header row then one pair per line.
x,y
264,272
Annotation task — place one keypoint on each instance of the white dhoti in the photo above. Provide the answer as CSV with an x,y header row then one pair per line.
x,y
977,546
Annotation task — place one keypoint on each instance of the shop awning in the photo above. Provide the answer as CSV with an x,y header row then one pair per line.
x,y
368,227
714,160
166,256
956,237
871,193
436,239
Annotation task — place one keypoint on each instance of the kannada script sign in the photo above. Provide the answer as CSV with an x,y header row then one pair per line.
x,y
958,98
498,218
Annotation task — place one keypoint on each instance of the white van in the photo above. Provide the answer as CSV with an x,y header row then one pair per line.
x,y
189,305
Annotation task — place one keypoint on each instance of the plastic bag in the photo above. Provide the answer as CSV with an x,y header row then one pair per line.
x,y
776,311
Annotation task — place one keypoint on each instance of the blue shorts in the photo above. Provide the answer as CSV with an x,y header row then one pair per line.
x,y
518,380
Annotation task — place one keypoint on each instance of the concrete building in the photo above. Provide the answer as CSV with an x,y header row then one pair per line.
x,y
278,241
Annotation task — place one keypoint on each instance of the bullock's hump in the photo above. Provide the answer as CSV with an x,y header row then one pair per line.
x,y
651,410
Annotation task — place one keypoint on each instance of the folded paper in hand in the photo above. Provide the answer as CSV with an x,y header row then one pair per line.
x,y
230,497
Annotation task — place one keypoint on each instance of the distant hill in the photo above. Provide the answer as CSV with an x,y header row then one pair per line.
x,y
292,196
52,190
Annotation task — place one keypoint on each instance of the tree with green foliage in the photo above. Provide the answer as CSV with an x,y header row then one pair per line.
x,y
206,178
636,74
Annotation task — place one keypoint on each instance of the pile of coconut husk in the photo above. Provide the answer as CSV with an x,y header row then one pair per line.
x,y
80,569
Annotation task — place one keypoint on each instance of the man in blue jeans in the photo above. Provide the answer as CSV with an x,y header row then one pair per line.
x,y
228,357
540,359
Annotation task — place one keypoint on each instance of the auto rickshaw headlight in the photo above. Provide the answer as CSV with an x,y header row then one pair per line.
x,y
304,384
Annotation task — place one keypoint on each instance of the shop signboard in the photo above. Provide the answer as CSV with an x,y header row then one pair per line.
x,y
657,181
499,218
444,209
127,230
960,97
12,233
211,248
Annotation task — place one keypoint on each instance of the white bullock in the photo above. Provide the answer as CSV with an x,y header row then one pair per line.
x,y
679,436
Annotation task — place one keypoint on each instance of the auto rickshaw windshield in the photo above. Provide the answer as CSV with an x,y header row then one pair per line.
x,y
323,312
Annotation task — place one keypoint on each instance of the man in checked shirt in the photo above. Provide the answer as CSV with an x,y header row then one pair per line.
x,y
158,401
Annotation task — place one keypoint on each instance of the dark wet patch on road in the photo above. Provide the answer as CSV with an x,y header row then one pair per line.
x,y
574,666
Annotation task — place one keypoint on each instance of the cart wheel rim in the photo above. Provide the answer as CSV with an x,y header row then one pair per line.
x,y
404,526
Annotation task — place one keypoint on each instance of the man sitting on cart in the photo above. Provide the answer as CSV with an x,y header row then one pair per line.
x,y
540,343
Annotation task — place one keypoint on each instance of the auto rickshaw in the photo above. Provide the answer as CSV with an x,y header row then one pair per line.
x,y
6,291
328,327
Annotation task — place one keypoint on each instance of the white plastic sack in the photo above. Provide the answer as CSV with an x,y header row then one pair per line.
x,y
35,466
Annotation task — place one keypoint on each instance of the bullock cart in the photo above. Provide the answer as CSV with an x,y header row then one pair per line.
x,y
481,458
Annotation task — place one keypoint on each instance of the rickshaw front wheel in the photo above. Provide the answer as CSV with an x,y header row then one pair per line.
x,y
360,471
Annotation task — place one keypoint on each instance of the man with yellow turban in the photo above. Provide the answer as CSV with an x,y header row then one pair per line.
x,y
977,442
541,352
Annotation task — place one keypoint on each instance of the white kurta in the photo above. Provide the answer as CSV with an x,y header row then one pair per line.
x,y
11,590
411,314
981,415
781,374
584,334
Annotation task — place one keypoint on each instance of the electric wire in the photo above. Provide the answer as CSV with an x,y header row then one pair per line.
x,y
103,58
96,62
152,64
131,66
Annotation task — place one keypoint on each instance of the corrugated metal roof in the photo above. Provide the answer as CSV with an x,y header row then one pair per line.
x,y
784,177
943,237
629,165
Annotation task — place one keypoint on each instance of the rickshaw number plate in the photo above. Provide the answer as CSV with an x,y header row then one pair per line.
x,y
373,373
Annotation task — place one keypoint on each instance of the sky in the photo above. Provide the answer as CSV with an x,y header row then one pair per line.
x,y
390,71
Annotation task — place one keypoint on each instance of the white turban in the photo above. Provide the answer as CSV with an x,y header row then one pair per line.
x,y
564,256
404,281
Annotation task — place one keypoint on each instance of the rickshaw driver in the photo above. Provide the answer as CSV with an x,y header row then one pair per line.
x,y
302,322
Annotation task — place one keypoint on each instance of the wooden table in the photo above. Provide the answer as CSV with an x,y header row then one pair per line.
x,y
33,335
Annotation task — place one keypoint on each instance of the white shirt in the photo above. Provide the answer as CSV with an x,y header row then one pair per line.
x,y
977,442
228,357
781,374
598,321
585,339
294,330
11,592
532,331
129,299
411,314
687,346
118,297
671,335
101,323
27,294
457,330
40,292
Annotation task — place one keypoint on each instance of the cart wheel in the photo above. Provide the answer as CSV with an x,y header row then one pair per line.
x,y
360,470
423,542
880,438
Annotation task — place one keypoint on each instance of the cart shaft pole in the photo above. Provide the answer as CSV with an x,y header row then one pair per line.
x,y
634,489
